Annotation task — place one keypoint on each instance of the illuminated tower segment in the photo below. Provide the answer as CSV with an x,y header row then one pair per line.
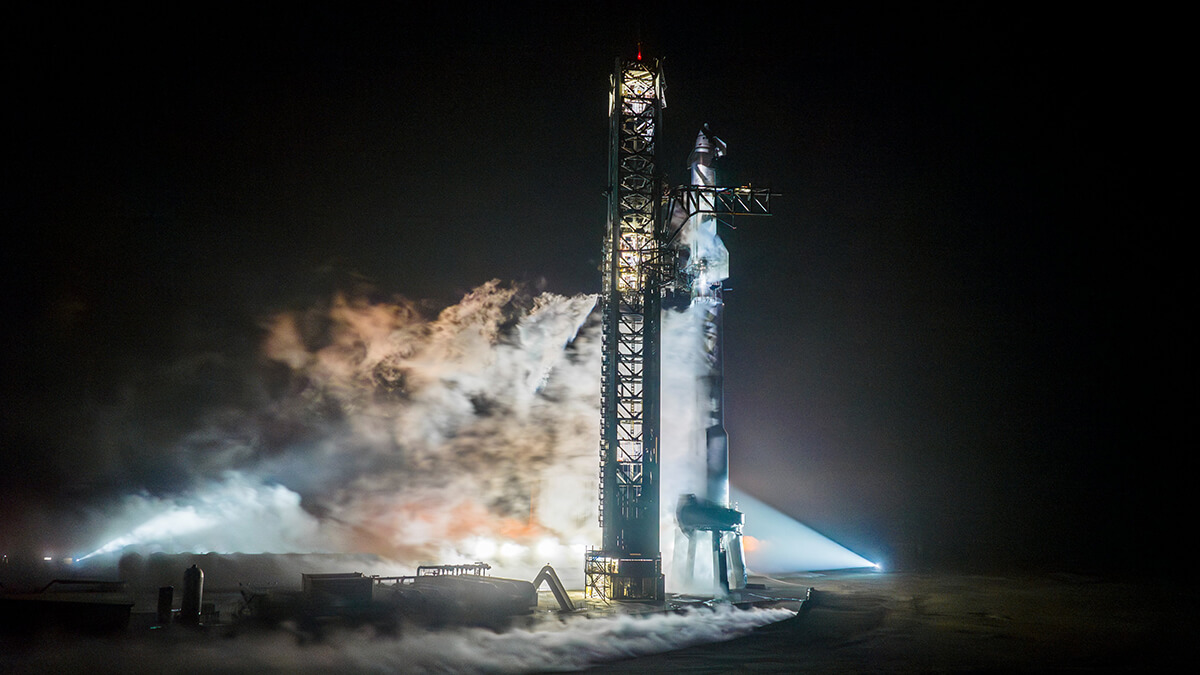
x,y
629,565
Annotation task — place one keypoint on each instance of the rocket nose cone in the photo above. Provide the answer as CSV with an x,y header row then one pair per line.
x,y
706,142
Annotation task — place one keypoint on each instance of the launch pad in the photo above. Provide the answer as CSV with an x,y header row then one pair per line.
x,y
661,251
325,601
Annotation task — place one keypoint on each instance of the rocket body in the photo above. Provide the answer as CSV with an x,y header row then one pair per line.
x,y
707,268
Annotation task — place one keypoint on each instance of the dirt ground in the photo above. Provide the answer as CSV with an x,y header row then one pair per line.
x,y
945,623
863,622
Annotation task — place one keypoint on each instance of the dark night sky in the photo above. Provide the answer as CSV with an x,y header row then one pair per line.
x,y
928,344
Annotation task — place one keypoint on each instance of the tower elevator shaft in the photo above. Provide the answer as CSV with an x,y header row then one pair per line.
x,y
629,566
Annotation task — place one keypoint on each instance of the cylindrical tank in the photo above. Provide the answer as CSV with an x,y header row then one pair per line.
x,y
166,598
193,593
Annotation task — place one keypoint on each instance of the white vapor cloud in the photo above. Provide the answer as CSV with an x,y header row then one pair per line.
x,y
381,429
574,644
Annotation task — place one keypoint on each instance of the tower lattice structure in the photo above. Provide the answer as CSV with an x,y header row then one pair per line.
x,y
629,566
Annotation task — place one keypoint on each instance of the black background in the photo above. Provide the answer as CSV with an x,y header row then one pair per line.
x,y
958,341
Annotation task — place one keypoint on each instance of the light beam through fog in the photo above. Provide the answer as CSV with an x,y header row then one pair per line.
x,y
776,543
471,434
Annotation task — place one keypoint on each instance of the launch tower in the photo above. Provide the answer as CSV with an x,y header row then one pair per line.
x,y
642,249
629,566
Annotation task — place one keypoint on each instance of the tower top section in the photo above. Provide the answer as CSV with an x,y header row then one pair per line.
x,y
637,80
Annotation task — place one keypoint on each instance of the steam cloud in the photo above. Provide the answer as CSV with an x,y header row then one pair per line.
x,y
376,427
469,434
369,425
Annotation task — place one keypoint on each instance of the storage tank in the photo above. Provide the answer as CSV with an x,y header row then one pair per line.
x,y
193,593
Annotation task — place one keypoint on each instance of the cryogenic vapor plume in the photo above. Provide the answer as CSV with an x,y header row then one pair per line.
x,y
377,427
576,643
683,460
453,430
470,434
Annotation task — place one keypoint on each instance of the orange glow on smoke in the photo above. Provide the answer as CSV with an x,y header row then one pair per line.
x,y
420,527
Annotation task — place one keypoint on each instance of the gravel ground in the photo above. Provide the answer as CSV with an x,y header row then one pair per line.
x,y
946,623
